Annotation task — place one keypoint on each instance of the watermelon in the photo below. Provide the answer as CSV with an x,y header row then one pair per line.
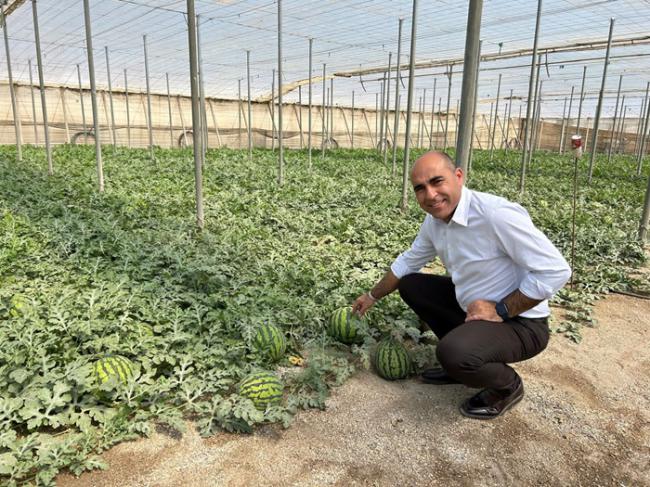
x,y
263,388
270,341
113,366
392,360
346,326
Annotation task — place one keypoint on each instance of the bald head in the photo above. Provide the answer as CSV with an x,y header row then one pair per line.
x,y
433,157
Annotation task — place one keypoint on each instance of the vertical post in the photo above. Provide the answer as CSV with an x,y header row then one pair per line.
x,y
300,113
239,109
621,128
352,123
169,107
93,98
204,115
645,218
398,70
568,121
280,144
534,122
195,132
450,76
39,60
196,111
508,123
587,135
644,105
470,82
644,134
612,134
496,112
110,97
433,111
249,125
65,116
562,129
324,106
81,100
537,126
311,42
31,89
599,107
14,107
418,140
473,111
489,125
377,119
382,97
331,111
531,86
387,109
582,99
273,110
128,111
409,106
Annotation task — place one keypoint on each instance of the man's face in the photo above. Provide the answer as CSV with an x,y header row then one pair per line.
x,y
437,186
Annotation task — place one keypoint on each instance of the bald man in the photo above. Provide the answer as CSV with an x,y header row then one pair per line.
x,y
492,309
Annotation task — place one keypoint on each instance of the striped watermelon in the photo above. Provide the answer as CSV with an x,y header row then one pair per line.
x,y
270,341
113,366
346,326
392,360
263,388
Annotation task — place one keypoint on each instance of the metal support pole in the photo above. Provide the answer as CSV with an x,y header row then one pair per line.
x,y
621,128
93,97
311,42
382,102
599,107
81,100
536,106
473,110
324,106
496,112
531,87
582,99
352,123
31,89
644,227
612,133
568,121
433,111
196,112
508,122
204,116
128,111
644,105
300,114
110,97
169,107
450,76
409,106
39,60
273,110
537,124
376,119
14,107
239,109
418,140
470,82
196,133
280,143
489,124
387,110
249,124
398,70
644,134
562,129
330,132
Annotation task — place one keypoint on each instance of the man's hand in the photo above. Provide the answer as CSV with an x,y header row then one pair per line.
x,y
362,304
482,310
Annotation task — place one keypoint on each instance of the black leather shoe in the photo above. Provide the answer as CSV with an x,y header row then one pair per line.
x,y
437,376
491,403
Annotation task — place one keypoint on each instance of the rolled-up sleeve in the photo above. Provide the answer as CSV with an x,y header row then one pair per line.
x,y
546,269
420,253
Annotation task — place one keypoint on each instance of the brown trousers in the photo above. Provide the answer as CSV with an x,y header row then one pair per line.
x,y
475,353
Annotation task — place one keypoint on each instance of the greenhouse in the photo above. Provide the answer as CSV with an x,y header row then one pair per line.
x,y
270,242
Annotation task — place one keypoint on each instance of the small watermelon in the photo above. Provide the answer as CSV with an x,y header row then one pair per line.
x,y
113,366
270,341
346,326
263,388
392,360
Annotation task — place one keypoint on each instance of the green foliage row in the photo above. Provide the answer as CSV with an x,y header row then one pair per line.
x,y
84,275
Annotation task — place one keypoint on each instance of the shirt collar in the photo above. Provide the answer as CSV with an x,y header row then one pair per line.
x,y
462,210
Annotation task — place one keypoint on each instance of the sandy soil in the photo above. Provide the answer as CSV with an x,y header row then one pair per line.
x,y
584,421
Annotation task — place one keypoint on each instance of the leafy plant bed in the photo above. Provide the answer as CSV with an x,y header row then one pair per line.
x,y
85,275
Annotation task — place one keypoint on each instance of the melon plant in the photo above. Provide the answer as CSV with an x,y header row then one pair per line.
x,y
270,341
392,360
346,326
113,366
263,388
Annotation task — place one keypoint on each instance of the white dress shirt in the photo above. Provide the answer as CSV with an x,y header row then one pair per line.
x,y
490,247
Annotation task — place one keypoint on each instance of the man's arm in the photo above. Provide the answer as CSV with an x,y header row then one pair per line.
x,y
385,286
517,302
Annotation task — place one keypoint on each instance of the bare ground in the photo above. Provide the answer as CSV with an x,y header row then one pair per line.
x,y
584,421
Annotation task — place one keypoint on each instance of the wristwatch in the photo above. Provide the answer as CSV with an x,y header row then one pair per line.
x,y
502,310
